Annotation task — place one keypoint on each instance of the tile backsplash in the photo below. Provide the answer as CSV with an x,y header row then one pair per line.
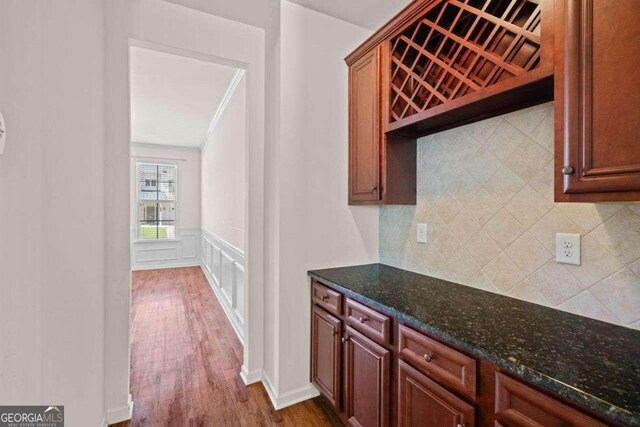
x,y
486,192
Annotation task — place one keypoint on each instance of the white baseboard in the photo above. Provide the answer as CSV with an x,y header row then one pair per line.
x,y
163,266
117,415
282,400
250,377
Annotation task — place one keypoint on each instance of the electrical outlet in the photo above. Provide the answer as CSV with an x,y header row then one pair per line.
x,y
422,233
568,248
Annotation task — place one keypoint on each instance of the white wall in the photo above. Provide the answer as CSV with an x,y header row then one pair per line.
x,y
52,218
223,174
307,191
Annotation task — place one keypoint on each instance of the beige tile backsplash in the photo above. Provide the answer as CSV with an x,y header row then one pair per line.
x,y
486,192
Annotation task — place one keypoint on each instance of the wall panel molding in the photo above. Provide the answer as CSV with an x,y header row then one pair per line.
x,y
183,251
224,267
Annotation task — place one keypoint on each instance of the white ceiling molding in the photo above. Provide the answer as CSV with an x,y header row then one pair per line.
x,y
237,78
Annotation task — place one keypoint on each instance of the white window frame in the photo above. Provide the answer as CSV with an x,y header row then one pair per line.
x,y
177,202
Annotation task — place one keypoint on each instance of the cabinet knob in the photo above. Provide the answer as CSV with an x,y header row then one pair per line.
x,y
373,188
461,425
324,297
334,333
363,319
428,357
567,170
344,339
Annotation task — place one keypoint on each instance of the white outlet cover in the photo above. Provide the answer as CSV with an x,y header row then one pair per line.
x,y
568,248
422,233
3,134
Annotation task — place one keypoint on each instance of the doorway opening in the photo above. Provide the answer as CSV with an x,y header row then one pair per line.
x,y
188,212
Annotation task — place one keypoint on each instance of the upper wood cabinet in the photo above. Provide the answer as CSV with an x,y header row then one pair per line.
x,y
436,65
364,129
382,168
597,108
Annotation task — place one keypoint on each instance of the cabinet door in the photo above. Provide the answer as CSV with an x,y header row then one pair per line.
x,y
325,354
367,376
364,129
423,402
597,100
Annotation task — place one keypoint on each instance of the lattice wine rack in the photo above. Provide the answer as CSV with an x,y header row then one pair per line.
x,y
459,47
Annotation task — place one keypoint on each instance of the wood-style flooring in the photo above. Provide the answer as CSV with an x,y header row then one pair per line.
x,y
186,358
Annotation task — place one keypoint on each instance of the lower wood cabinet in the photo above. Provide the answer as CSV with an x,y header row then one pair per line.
x,y
385,374
423,402
326,355
368,373
519,405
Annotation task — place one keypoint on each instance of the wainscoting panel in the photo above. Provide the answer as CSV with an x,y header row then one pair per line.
x,y
182,251
239,293
223,265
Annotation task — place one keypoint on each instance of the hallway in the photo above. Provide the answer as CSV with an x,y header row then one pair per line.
x,y
186,359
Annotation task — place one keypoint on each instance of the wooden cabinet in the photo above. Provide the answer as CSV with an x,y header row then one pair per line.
x,y
384,375
518,405
374,325
597,109
382,168
367,367
423,402
326,355
365,134
449,367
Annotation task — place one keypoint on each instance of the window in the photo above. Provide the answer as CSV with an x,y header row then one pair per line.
x,y
156,189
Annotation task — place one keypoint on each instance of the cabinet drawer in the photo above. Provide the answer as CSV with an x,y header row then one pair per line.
x,y
520,405
374,325
327,298
449,367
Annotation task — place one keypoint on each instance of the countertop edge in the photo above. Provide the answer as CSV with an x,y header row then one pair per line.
x,y
582,399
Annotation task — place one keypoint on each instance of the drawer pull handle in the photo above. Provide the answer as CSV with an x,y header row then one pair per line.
x,y
363,319
428,357
324,297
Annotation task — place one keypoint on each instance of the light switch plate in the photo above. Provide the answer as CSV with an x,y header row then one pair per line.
x,y
422,233
568,248
3,134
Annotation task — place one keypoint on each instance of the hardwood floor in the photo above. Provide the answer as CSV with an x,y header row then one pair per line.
x,y
186,358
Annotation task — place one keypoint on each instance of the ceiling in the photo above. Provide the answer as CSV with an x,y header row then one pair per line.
x,y
174,98
251,12
369,14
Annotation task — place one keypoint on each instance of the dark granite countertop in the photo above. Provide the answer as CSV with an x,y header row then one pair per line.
x,y
592,363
